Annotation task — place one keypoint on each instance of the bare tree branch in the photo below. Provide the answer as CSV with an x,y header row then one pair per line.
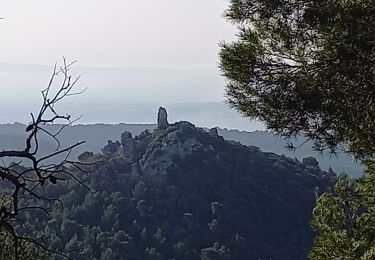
x,y
25,181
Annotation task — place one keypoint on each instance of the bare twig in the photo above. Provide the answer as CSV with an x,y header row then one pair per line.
x,y
25,181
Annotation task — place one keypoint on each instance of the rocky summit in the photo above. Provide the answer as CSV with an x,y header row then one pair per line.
x,y
186,193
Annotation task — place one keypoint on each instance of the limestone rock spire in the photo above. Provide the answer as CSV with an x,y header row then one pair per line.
x,y
162,118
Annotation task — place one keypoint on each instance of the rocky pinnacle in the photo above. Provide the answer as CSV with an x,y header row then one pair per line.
x,y
162,118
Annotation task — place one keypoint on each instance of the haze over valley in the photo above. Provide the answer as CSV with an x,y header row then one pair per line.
x,y
125,95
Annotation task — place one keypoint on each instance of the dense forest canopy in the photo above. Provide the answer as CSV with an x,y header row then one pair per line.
x,y
183,193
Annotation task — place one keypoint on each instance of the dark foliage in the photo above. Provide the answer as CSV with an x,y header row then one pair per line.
x,y
184,193
306,67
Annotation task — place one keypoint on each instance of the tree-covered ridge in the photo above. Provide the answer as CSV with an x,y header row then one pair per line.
x,y
184,193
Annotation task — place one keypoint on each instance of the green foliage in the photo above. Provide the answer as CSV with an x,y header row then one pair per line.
x,y
338,216
10,247
306,67
345,220
25,249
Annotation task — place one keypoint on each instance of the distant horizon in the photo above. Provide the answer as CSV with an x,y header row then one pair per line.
x,y
125,95
139,124
201,114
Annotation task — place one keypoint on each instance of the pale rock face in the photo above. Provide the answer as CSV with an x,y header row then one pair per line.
x,y
159,160
162,119
178,141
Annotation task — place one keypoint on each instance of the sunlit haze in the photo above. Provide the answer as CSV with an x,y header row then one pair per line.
x,y
133,56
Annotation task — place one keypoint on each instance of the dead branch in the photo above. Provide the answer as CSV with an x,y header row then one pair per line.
x,y
25,182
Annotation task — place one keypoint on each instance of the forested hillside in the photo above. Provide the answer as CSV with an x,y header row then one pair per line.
x,y
183,193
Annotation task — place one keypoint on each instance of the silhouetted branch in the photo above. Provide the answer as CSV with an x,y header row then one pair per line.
x,y
25,181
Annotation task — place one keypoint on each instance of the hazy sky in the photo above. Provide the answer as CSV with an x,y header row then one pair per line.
x,y
121,33
142,34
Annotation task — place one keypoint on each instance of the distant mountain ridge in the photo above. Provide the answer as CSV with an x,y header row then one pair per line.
x,y
340,163
97,135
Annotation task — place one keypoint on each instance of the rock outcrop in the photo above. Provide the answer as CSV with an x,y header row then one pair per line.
x,y
127,146
176,143
111,148
162,119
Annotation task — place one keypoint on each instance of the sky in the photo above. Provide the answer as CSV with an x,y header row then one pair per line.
x,y
131,55
182,34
